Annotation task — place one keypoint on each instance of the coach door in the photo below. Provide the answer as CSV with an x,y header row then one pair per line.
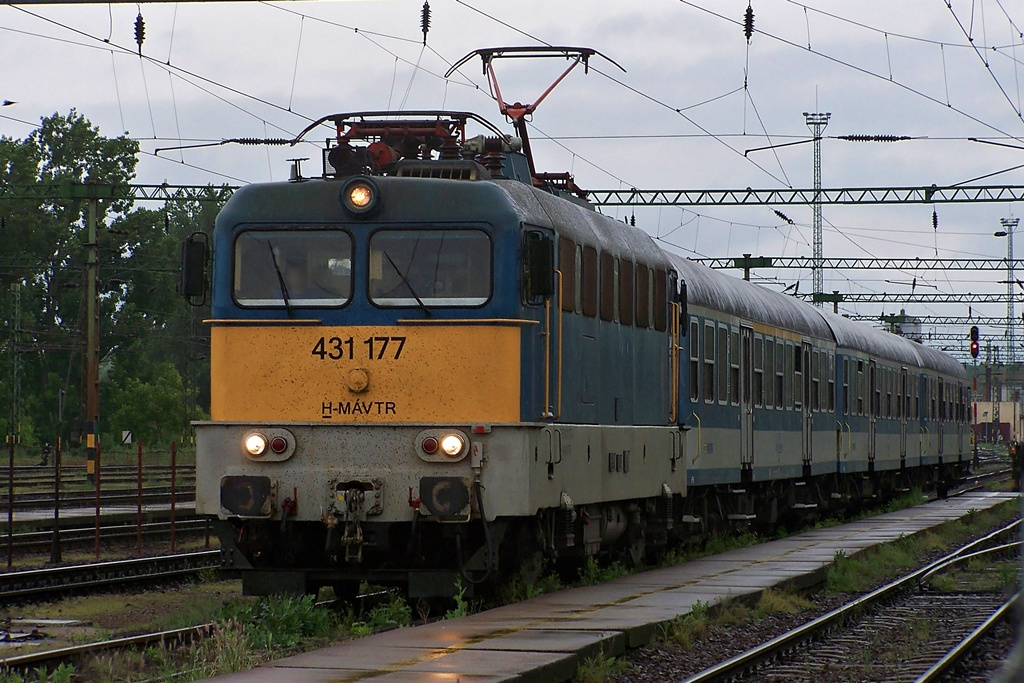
x,y
875,403
746,398
807,417
903,408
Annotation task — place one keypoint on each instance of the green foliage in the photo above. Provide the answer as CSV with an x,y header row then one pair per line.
x,y
144,326
519,589
64,673
462,606
279,622
593,573
598,668
685,629
394,612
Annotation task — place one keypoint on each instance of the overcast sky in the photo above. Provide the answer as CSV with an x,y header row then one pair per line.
x,y
694,96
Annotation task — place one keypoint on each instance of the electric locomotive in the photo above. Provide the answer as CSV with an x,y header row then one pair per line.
x,y
433,365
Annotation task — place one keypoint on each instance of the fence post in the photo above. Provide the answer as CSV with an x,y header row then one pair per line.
x,y
10,504
55,553
97,475
138,506
174,474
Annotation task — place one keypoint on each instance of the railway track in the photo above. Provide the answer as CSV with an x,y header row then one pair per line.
x,y
188,526
863,626
52,582
72,499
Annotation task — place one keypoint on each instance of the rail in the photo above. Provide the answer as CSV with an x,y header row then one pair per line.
x,y
746,661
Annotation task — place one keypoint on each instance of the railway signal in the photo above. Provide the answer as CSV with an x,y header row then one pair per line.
x,y
975,348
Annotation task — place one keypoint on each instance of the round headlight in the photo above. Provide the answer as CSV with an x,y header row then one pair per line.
x,y
256,444
452,444
360,196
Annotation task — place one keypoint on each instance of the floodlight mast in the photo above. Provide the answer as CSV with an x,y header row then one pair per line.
x,y
518,112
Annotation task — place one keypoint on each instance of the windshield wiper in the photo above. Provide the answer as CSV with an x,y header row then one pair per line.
x,y
280,281
407,284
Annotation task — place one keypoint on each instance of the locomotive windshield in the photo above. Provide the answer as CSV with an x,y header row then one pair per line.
x,y
430,268
293,268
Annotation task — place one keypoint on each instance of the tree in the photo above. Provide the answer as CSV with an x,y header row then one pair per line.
x,y
148,334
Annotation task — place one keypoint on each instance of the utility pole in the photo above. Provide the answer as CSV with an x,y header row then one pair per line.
x,y
817,122
16,362
92,336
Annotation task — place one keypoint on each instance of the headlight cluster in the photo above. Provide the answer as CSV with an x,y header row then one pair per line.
x,y
270,444
442,445
360,196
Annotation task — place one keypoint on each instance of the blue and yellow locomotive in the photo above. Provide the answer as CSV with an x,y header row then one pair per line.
x,y
432,362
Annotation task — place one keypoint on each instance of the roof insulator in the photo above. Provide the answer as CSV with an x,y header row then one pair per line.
x,y
783,216
873,138
425,21
140,31
748,23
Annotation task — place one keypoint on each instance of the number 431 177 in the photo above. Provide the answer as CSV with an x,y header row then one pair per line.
x,y
376,348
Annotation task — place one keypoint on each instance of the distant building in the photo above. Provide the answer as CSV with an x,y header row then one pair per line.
x,y
998,421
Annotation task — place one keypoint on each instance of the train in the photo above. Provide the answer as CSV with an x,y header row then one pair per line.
x,y
434,367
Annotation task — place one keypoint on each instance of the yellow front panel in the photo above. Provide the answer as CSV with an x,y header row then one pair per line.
x,y
366,374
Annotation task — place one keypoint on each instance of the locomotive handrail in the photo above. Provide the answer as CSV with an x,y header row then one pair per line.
x,y
700,441
677,312
262,321
558,391
466,321
548,413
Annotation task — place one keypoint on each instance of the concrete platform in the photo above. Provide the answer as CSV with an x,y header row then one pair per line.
x,y
544,639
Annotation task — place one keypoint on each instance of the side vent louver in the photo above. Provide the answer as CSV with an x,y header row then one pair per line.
x,y
462,169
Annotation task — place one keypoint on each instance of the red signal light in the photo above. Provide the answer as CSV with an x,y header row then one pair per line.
x,y
975,349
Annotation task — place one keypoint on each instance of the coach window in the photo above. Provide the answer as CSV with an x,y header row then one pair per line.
x,y
734,368
780,374
758,371
607,286
709,363
279,269
567,266
643,296
933,398
787,378
888,392
831,382
794,377
846,386
589,281
626,292
660,300
722,358
815,381
694,361
859,387
769,372
898,390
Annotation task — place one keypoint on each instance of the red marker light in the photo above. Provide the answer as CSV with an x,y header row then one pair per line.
x,y
429,445
278,444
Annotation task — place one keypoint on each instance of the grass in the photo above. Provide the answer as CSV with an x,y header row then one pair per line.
x,y
598,668
874,565
684,631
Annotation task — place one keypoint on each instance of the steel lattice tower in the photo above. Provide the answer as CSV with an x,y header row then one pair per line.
x,y
1011,343
817,122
